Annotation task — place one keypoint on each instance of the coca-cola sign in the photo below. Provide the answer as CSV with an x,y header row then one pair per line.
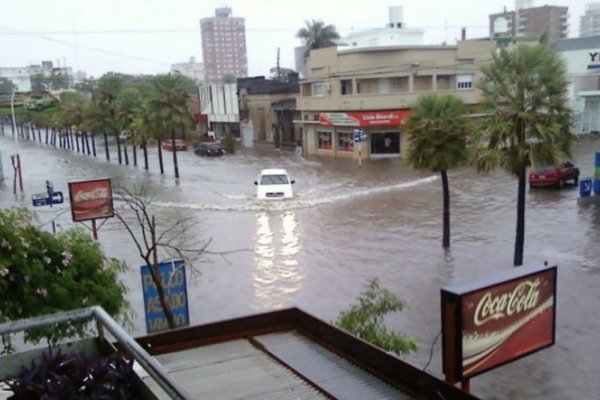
x,y
494,322
91,199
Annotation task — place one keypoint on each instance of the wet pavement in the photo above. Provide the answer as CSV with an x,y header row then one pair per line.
x,y
345,226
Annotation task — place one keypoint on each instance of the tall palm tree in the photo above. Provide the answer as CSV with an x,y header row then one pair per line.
x,y
524,93
316,35
168,105
439,128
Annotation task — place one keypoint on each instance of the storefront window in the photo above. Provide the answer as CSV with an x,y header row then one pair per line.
x,y
385,143
325,141
345,141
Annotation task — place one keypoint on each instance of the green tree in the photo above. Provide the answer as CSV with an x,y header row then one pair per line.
x,y
438,130
41,273
281,74
101,115
365,319
168,110
524,94
6,85
315,35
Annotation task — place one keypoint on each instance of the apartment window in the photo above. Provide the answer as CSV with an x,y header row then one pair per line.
x,y
399,84
320,88
423,83
443,82
345,141
464,82
346,85
324,140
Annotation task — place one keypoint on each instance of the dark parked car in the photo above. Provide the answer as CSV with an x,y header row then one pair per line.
x,y
554,176
208,149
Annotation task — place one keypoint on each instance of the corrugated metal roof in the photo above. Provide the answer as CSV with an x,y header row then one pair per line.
x,y
233,370
329,371
239,370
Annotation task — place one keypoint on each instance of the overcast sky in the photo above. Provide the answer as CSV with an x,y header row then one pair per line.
x,y
146,36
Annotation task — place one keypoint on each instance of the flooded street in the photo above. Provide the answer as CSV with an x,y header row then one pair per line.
x,y
345,226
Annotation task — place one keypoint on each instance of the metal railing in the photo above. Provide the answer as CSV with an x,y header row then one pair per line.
x,y
150,365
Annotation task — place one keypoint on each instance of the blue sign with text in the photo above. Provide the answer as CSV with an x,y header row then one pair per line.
x,y
173,282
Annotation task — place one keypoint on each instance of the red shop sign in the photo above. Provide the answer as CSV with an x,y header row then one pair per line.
x,y
91,199
491,323
364,119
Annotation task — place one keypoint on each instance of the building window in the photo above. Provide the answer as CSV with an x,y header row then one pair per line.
x,y
320,88
345,141
346,85
324,140
400,84
464,82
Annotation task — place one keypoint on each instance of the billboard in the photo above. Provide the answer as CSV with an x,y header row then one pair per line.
x,y
364,119
490,323
91,199
173,281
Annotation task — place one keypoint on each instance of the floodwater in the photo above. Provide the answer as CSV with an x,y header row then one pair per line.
x,y
345,226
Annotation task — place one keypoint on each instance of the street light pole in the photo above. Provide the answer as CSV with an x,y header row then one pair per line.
x,y
17,168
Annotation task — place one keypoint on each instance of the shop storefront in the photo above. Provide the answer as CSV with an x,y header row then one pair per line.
x,y
334,134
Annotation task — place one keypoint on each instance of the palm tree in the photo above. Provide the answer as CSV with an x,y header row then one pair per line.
x,y
439,128
103,113
169,109
316,35
524,93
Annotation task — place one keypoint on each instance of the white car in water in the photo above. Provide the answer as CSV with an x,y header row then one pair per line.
x,y
274,184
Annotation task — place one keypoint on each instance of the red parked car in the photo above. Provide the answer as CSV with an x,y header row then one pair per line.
x,y
180,145
552,176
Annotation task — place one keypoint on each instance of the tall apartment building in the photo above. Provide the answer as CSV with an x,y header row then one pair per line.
x,y
589,23
224,45
547,24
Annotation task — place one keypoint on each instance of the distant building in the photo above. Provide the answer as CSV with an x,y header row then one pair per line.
x,y
55,77
220,108
547,24
589,24
224,45
300,60
191,69
582,59
395,33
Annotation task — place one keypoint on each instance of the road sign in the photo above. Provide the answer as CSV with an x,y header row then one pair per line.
x,y
359,136
172,278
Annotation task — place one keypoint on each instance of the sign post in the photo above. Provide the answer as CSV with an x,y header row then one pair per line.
x,y
91,200
47,199
359,137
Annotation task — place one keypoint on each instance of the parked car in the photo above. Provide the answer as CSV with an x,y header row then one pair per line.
x,y
208,149
38,102
180,145
274,184
552,176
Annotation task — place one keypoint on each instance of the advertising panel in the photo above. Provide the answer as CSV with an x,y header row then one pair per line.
x,y
174,284
364,119
91,199
489,324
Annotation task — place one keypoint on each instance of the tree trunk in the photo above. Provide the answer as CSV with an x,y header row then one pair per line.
x,y
520,237
94,144
160,160
106,147
134,151
76,140
119,148
174,154
46,135
145,150
39,134
446,195
126,154
156,278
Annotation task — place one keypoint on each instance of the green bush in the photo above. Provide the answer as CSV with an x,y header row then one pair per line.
x,y
41,274
365,319
228,144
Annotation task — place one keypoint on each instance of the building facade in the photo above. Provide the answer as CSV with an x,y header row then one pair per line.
x,y
582,59
395,33
547,24
369,92
268,109
589,23
224,46
220,109
192,69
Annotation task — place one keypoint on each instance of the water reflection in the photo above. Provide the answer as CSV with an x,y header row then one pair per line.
x,y
276,271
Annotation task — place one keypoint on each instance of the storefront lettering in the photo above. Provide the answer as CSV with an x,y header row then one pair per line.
x,y
594,56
